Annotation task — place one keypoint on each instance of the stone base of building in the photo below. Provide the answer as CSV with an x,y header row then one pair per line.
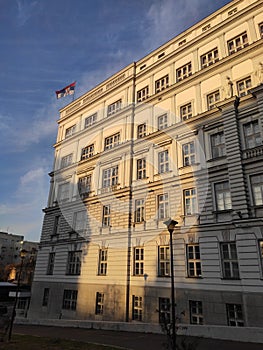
x,y
243,334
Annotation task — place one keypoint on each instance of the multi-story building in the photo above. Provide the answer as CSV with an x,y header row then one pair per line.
x,y
178,135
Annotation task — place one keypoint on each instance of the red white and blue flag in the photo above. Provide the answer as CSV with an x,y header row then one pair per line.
x,y
68,90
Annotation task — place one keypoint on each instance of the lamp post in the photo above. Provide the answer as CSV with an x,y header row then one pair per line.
x,y
23,254
170,227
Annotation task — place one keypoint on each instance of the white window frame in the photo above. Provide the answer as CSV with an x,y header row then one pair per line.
x,y
164,311
252,134
194,267
143,94
112,141
141,168
162,121
91,119
99,303
137,308
141,131
87,152
189,153
237,43
106,215
70,297
186,111
138,261
70,131
84,185
190,201
139,210
110,176
209,58
103,262
163,161
66,160
222,196
162,83
74,263
243,86
164,261
163,206
114,107
63,192
196,312
184,72
51,263
256,182
235,316
212,98
217,144
229,259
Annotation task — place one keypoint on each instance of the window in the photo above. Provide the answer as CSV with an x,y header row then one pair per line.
x,y
243,86
162,122
164,261
56,225
103,262
229,260
70,131
141,168
106,215
190,204
137,308
212,99
209,58
112,141
234,315
218,146
252,134
99,303
74,263
87,152
45,297
163,162
141,131
193,260
70,299
223,196
257,189
164,311
196,312
139,210
261,29
162,83
110,176
90,120
51,263
80,220
138,261
63,192
143,94
186,111
66,161
163,206
84,185
183,72
189,153
237,43
114,108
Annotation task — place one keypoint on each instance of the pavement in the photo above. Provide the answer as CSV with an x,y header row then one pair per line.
x,y
129,340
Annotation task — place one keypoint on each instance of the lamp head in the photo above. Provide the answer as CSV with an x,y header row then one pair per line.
x,y
170,223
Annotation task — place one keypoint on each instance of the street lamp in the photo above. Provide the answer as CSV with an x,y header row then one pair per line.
x,y
23,254
170,227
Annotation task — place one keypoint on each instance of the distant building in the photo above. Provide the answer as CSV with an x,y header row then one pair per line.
x,y
189,149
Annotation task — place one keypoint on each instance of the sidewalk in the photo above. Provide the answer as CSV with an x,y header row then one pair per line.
x,y
128,340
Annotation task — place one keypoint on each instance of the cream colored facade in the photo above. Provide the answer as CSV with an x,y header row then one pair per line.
x,y
178,135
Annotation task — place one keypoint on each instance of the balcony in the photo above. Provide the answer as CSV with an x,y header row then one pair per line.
x,y
253,152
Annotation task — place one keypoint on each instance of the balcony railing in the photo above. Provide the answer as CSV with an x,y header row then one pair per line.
x,y
253,152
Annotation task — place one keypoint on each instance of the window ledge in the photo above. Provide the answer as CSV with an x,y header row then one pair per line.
x,y
188,166
215,159
231,278
225,211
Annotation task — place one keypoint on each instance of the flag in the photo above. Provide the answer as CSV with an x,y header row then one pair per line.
x,y
68,90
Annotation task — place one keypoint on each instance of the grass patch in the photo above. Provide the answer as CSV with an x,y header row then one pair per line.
x,y
28,342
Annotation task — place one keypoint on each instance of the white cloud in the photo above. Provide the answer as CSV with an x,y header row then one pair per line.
x,y
25,10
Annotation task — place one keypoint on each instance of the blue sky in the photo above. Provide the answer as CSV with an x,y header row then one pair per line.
x,y
48,44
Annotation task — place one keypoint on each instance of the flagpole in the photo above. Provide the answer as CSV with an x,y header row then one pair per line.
x,y
73,97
